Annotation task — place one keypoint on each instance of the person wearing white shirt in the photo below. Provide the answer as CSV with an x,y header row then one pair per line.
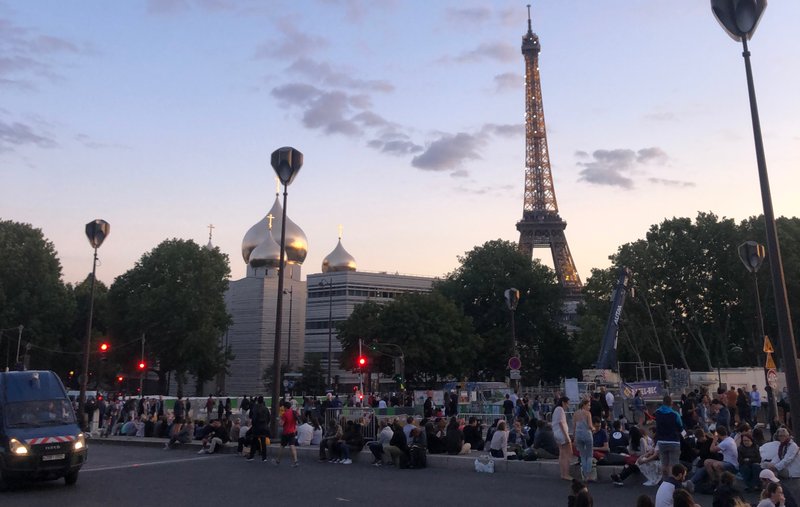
x,y
305,432
610,403
384,437
382,403
787,465
724,444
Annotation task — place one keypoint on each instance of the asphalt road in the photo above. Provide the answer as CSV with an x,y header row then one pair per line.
x,y
138,476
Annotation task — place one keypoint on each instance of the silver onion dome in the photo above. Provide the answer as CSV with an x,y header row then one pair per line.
x,y
296,241
254,237
267,254
338,260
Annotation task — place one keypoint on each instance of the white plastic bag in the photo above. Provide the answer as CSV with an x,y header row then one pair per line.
x,y
484,464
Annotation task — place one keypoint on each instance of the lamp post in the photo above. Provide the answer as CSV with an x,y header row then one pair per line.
x,y
286,162
96,232
289,340
329,284
740,19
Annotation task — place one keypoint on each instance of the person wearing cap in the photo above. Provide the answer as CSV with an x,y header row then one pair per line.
x,y
766,476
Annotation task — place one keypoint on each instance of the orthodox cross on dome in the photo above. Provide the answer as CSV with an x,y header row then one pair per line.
x,y
277,185
340,231
270,218
210,231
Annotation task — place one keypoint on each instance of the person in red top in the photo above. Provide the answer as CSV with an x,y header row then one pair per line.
x,y
289,435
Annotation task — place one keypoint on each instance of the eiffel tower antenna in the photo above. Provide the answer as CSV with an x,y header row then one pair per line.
x,y
541,226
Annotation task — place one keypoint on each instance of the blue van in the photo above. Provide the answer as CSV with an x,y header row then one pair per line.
x,y
39,435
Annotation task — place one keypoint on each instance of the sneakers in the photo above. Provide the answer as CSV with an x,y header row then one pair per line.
x,y
616,479
295,464
249,458
650,483
377,464
346,462
201,451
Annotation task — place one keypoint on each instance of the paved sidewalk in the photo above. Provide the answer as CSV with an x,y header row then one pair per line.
x,y
547,468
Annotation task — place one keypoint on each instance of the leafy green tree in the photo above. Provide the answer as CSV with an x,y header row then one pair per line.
x,y
174,296
477,287
313,379
268,376
436,339
32,293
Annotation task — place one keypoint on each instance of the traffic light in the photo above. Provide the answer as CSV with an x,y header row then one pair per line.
x,y
355,389
104,347
362,361
142,365
120,378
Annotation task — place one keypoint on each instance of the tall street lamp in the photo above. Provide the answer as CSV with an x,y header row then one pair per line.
x,y
329,284
96,232
286,162
739,18
289,340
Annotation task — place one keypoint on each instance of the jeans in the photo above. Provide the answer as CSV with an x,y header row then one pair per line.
x,y
754,415
584,443
344,450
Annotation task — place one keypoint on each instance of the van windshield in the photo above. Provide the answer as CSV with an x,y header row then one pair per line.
x,y
27,414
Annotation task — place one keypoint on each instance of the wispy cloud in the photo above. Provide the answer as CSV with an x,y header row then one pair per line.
x,y
467,14
323,73
618,167
508,81
16,134
671,183
449,151
292,44
499,51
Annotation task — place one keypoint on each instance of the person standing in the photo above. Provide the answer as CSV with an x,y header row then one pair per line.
x,y
260,429
610,404
755,405
178,413
582,430
668,435
508,409
209,408
638,408
561,435
289,419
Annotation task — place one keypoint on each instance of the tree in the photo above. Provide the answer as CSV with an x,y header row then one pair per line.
x,y
477,287
268,375
436,339
174,297
32,293
313,379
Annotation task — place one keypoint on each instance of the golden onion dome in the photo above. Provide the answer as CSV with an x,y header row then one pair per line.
x,y
338,260
296,241
267,254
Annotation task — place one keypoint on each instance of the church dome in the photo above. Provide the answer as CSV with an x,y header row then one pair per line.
x,y
296,242
267,254
338,260
254,237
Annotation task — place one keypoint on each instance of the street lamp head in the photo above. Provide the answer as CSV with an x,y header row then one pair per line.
x,y
739,18
286,162
96,232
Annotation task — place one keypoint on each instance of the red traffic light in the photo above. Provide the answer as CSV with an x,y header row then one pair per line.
x,y
142,366
362,361
120,378
104,347
355,389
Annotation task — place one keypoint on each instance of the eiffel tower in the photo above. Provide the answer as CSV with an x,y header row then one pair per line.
x,y
541,226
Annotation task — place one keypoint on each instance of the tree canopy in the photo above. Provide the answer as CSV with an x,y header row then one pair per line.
x,y
174,296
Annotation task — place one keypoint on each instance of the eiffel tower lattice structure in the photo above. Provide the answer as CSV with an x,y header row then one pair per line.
x,y
541,226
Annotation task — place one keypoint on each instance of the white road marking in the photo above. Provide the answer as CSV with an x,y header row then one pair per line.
x,y
150,463
342,499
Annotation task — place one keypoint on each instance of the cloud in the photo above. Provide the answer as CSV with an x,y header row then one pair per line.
x,y
507,81
499,51
671,183
325,75
329,111
17,134
467,14
617,167
24,55
448,152
293,44
504,130
393,142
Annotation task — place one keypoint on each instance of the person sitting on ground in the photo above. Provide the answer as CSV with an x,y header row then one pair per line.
x,y
772,496
184,436
214,437
472,434
518,438
128,429
305,432
787,465
245,436
435,444
637,446
333,433
398,445
499,445
384,437
749,462
722,443
544,443
618,440
665,493
316,436
726,493
341,448
454,439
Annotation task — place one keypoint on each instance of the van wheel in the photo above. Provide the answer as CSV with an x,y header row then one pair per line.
x,y
71,478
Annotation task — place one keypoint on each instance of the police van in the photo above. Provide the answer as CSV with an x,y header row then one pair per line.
x,y
39,435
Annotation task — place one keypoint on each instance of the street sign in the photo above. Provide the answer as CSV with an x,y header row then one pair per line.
x,y
772,378
285,383
770,365
768,345
514,363
515,375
